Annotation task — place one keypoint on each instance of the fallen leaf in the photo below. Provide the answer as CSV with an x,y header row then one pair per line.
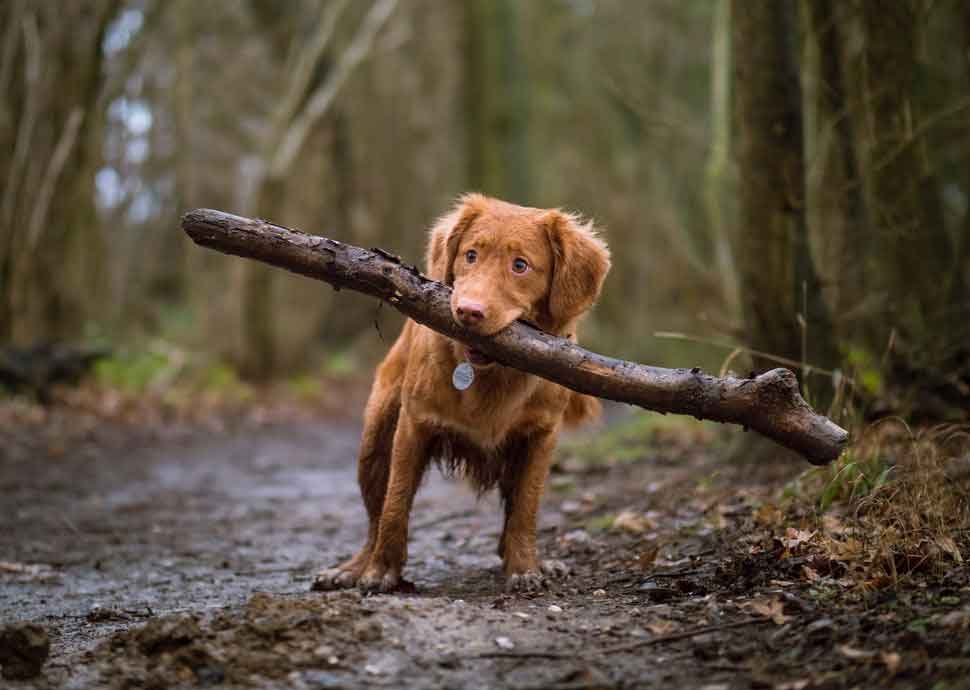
x,y
27,571
661,626
892,661
847,550
810,574
769,608
832,525
793,684
632,521
768,515
947,544
853,653
796,537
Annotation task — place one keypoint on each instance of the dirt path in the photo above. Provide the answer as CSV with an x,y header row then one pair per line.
x,y
188,563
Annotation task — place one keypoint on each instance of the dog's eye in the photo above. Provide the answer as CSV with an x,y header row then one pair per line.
x,y
520,265
471,255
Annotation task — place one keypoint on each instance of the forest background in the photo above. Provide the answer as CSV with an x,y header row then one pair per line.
x,y
786,178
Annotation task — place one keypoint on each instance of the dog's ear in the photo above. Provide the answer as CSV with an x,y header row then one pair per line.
x,y
581,261
446,235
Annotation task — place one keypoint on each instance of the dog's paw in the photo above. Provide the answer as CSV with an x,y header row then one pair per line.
x,y
554,569
378,578
529,581
333,578
537,580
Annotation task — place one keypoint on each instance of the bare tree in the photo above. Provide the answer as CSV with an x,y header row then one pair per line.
x,y
51,72
303,105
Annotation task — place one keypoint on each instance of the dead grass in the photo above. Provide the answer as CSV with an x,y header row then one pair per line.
x,y
896,503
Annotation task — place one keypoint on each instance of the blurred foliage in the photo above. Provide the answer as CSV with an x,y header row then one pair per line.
x,y
134,372
631,438
118,115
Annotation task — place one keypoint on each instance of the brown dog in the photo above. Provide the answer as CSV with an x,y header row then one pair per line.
x,y
504,262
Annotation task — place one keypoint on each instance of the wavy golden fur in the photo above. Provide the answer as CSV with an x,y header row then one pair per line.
x,y
504,262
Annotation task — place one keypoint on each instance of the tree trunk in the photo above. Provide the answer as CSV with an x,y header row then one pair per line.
x,y
782,307
769,403
496,103
55,67
842,212
308,99
717,161
907,216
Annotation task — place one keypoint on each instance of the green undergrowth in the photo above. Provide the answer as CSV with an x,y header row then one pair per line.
x,y
638,436
898,499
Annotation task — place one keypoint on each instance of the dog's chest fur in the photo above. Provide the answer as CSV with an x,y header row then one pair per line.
x,y
500,403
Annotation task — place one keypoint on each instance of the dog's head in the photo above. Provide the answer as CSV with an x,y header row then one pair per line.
x,y
506,262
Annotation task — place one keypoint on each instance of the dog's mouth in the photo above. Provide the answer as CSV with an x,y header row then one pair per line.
x,y
477,358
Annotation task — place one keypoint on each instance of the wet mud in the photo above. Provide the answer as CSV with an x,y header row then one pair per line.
x,y
187,562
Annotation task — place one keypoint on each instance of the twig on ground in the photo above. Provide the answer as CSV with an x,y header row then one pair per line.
x,y
673,573
447,517
626,647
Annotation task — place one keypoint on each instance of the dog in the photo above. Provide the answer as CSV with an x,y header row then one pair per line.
x,y
504,262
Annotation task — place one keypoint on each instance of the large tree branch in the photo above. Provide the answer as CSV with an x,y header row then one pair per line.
x,y
769,403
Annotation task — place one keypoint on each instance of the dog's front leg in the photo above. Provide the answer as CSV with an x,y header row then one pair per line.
x,y
409,459
523,494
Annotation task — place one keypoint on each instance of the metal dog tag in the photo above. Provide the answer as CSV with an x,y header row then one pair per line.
x,y
463,376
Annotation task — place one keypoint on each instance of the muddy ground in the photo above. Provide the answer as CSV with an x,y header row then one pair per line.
x,y
186,560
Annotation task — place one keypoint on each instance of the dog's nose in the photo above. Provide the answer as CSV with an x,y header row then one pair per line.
x,y
470,313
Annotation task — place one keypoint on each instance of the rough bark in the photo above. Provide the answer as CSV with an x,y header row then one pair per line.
x,y
769,403
907,217
777,273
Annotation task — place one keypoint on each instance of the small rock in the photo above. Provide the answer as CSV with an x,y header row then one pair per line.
x,y
24,648
571,507
523,616
577,536
554,609
324,651
656,592
504,643
99,614
368,630
210,675
599,592
372,669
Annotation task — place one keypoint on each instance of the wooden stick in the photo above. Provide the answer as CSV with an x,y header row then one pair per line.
x,y
769,403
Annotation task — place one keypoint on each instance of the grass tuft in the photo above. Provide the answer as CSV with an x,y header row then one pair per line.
x,y
898,502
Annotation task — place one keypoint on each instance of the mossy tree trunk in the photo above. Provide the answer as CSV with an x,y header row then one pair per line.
x,y
902,192
496,101
781,304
